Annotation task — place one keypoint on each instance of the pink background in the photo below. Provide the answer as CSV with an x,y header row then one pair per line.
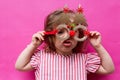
x,y
19,19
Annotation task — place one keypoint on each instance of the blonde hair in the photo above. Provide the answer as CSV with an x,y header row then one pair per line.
x,y
60,17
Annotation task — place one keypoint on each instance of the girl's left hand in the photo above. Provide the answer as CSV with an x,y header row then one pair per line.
x,y
95,38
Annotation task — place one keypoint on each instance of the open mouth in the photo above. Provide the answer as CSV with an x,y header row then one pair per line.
x,y
67,43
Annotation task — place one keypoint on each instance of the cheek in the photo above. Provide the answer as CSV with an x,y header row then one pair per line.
x,y
75,43
57,43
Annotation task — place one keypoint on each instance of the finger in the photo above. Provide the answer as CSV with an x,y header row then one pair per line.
x,y
97,33
92,33
41,33
41,37
35,37
38,37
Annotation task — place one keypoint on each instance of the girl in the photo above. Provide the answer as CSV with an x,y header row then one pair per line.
x,y
63,57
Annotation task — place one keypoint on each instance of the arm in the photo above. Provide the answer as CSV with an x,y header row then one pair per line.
x,y
23,61
107,65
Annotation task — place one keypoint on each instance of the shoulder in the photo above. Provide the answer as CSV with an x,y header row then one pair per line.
x,y
92,62
88,55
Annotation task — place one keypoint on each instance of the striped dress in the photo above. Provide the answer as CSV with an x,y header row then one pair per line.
x,y
59,67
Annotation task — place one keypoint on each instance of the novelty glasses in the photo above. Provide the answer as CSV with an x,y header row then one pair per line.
x,y
63,32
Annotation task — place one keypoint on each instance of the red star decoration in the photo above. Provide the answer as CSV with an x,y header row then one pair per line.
x,y
80,10
65,9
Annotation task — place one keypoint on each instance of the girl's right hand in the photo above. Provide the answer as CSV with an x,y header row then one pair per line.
x,y
38,38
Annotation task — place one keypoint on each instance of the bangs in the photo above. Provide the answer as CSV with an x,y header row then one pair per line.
x,y
80,19
63,18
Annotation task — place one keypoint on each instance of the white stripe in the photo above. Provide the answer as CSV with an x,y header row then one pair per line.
x,y
65,68
49,60
51,66
83,64
46,67
73,68
81,67
43,66
57,63
76,67
54,66
60,66
71,63
78,57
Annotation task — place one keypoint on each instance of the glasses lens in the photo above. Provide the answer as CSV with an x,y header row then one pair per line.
x,y
80,33
62,33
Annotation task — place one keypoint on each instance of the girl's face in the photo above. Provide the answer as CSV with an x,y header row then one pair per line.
x,y
65,46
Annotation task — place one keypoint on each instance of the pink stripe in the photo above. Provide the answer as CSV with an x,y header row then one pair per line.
x,y
43,69
78,58
52,67
81,71
76,63
74,72
49,66
60,67
83,68
68,67
80,66
74,68
71,68
46,66
65,68
83,64
41,65
56,67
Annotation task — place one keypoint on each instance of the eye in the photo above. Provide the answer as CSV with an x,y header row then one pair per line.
x,y
62,31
